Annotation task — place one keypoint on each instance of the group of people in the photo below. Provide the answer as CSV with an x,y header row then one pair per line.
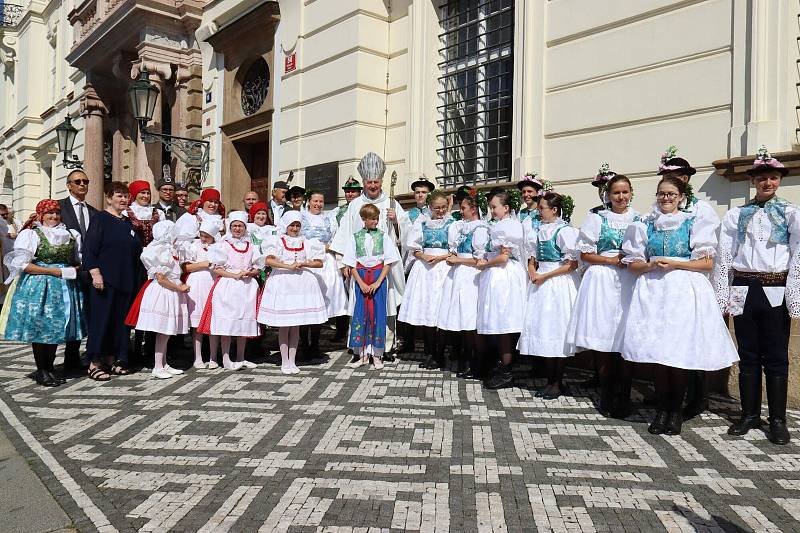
x,y
495,277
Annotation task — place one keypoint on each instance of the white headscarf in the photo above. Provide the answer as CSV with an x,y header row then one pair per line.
x,y
288,218
212,226
163,232
236,216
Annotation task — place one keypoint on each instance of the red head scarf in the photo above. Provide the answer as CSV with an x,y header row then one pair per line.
x,y
135,187
258,206
42,208
208,195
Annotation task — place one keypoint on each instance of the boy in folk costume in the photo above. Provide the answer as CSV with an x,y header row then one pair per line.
x,y
757,277
370,255
372,168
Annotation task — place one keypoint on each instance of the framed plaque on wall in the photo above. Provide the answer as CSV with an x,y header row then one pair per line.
x,y
324,178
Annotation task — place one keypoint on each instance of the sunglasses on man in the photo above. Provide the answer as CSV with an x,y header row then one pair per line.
x,y
80,182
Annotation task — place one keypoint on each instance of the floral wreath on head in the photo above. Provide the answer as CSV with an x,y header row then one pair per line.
x,y
604,175
480,200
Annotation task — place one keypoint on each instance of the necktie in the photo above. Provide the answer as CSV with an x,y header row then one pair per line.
x,y
81,219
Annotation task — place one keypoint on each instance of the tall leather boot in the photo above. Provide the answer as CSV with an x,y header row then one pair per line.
x,y
51,359
501,378
622,402
438,354
750,394
698,394
314,333
777,387
430,349
42,376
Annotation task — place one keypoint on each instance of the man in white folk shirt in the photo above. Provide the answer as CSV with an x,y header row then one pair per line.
x,y
372,169
757,277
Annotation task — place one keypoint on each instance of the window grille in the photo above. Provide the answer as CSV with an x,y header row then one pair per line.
x,y
475,97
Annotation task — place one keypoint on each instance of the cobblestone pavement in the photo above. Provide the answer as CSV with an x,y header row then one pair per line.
x,y
335,449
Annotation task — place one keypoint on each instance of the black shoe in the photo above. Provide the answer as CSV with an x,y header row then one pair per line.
x,y
675,423
659,423
464,372
57,376
750,394
44,378
388,357
552,394
427,362
695,408
744,425
355,357
501,379
778,432
777,388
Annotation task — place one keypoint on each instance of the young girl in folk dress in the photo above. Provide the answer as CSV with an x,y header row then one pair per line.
x,y
428,240
458,311
370,255
160,306
292,294
673,320
501,287
551,296
315,225
231,307
605,293
200,279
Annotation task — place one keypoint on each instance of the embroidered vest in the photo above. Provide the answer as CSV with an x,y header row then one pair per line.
x,y
49,254
776,212
610,238
465,242
377,242
548,251
435,237
414,213
670,243
340,212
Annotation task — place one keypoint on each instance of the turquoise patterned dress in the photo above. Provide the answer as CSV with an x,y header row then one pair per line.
x,y
47,309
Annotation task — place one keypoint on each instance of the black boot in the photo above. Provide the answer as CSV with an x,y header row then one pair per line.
x,y
430,349
750,394
776,398
42,376
51,359
659,423
606,397
698,394
674,425
438,355
622,402
314,333
501,378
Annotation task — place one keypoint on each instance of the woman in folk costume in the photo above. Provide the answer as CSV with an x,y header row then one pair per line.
x,y
200,279
458,310
292,295
260,229
428,241
551,296
605,291
140,212
316,225
208,206
757,276
160,306
678,167
502,284
45,307
370,256
231,307
673,320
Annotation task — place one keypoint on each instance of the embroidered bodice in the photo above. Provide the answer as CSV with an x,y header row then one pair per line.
x,y
435,235
317,227
610,238
240,256
54,254
672,242
547,250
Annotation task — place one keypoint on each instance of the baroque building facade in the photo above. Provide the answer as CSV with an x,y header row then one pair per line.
x,y
482,91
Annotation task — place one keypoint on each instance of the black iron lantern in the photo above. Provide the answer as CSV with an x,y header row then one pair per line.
x,y
65,135
144,95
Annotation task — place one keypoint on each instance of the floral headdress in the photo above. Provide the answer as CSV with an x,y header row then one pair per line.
x,y
604,174
531,179
671,152
480,200
764,161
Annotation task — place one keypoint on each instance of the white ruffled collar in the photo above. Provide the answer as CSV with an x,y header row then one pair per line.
x,y
142,212
468,226
55,235
436,223
671,221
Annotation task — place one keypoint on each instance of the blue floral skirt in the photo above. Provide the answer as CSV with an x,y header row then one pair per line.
x,y
46,309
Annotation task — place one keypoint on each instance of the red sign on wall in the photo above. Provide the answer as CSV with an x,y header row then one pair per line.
x,y
290,63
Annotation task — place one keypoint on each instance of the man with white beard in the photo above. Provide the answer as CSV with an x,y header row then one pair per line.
x,y
372,168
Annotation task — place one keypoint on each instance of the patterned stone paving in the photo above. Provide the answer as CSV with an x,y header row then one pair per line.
x,y
341,450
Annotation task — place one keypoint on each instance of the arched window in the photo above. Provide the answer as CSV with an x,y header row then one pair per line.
x,y
8,181
255,86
